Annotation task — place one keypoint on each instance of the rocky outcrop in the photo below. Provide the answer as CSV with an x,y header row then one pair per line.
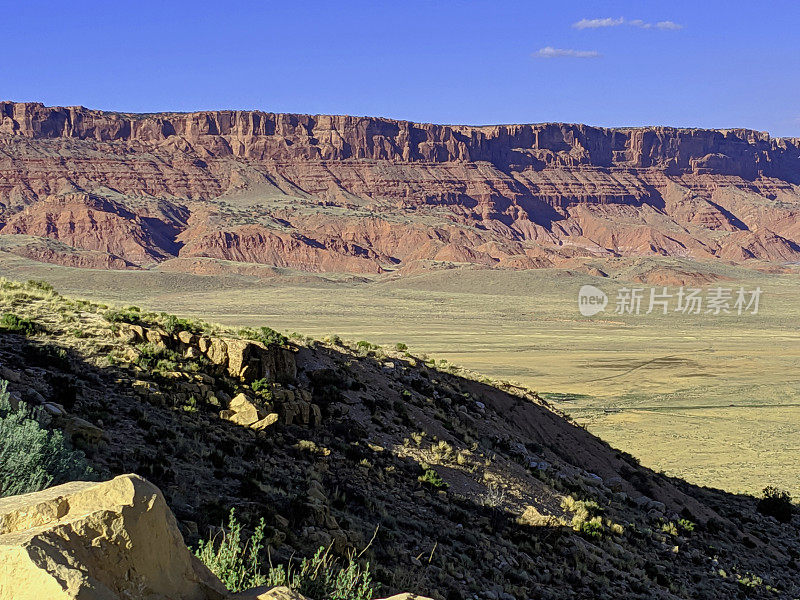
x,y
368,195
93,541
242,359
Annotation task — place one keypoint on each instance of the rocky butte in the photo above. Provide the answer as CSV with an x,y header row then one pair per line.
x,y
89,188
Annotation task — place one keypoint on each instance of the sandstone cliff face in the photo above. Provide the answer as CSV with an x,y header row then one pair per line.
x,y
328,193
269,136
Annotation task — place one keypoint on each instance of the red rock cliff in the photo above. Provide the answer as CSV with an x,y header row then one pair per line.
x,y
173,184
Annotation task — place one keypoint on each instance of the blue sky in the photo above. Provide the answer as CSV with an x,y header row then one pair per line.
x,y
699,64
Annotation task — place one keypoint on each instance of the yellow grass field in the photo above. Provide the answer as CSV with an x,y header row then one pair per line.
x,y
711,398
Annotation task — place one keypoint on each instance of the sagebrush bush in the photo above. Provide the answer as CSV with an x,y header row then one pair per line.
x,y
322,578
366,346
32,457
42,286
237,564
132,314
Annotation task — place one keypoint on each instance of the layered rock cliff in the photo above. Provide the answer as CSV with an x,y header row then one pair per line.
x,y
365,194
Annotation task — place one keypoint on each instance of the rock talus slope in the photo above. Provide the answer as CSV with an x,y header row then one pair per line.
x,y
360,194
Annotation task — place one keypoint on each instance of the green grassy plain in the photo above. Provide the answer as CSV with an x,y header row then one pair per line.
x,y
714,399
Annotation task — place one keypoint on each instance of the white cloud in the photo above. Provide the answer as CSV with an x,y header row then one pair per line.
x,y
550,52
596,23
611,22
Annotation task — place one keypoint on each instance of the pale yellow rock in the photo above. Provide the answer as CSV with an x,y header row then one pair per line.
x,y
115,540
240,353
186,337
244,411
157,337
265,593
532,517
267,421
218,352
407,597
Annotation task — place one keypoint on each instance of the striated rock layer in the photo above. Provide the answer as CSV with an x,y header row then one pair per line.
x,y
360,194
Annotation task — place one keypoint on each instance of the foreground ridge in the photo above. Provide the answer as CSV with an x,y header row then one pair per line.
x,y
453,486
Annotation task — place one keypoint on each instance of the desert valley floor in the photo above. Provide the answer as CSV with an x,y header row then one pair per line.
x,y
714,399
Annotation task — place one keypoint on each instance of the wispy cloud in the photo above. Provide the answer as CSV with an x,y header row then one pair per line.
x,y
669,25
550,52
611,22
597,23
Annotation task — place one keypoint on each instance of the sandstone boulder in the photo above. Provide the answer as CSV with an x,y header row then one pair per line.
x,y
266,593
217,352
82,433
115,540
266,422
242,411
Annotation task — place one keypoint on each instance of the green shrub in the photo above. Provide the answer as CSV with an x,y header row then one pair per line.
x,y
400,347
686,525
366,346
265,335
592,528
236,562
776,503
322,578
32,457
16,324
157,358
42,286
132,315
262,387
173,324
431,478
237,565
46,356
